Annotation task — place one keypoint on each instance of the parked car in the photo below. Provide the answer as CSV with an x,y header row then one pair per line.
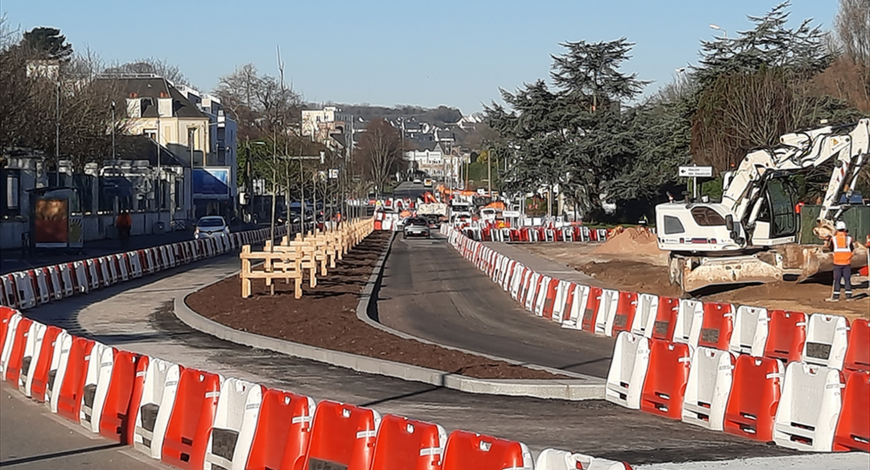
x,y
415,227
210,226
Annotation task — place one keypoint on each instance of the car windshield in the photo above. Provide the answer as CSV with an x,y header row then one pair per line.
x,y
211,222
417,222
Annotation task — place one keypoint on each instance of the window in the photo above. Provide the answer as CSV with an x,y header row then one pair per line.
x,y
707,217
673,225
150,133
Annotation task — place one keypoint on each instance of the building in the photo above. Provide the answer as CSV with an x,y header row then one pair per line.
x,y
194,127
322,124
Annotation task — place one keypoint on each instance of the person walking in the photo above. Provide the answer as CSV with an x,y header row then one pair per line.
x,y
842,245
124,223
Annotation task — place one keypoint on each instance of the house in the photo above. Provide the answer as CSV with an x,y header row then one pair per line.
x,y
322,124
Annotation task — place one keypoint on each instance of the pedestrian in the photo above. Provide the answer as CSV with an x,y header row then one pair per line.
x,y
842,245
124,224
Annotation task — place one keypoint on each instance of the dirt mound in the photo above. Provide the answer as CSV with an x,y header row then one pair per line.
x,y
631,240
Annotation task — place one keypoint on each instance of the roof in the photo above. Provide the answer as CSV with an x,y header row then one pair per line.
x,y
158,87
140,147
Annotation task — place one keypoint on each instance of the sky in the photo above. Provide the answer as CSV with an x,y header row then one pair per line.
x,y
386,52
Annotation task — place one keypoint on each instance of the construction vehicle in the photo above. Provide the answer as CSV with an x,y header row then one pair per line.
x,y
750,235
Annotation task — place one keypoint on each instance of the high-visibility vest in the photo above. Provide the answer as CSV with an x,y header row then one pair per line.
x,y
842,249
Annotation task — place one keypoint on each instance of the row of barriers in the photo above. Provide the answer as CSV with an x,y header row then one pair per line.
x,y
802,381
487,232
193,419
29,288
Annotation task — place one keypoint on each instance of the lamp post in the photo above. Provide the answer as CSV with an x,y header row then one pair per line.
x,y
719,28
113,129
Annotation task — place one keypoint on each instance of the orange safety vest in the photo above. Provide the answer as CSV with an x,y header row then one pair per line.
x,y
842,249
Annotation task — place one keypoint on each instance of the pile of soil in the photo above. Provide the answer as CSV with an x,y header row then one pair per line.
x,y
631,240
325,317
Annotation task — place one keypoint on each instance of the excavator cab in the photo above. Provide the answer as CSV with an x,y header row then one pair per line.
x,y
777,222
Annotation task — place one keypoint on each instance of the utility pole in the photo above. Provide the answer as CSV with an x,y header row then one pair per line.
x,y
157,185
489,172
57,122
113,129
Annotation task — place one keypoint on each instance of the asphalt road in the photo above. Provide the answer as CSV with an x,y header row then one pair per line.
x,y
138,316
33,438
429,290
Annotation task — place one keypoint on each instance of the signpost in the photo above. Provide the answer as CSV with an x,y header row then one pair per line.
x,y
695,172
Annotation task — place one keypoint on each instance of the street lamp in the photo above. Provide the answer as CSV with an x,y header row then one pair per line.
x,y
719,28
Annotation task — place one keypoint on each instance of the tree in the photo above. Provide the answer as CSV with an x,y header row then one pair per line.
x,y
379,152
756,87
261,104
852,27
47,43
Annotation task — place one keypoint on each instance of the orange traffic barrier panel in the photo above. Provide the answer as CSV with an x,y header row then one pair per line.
x,y
756,388
5,317
853,428
717,326
282,433
467,450
408,444
16,350
39,381
115,418
192,414
69,396
551,298
591,309
342,436
666,379
666,318
626,308
786,333
858,351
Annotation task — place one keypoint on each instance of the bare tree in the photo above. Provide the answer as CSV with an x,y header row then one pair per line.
x,y
261,105
852,26
380,152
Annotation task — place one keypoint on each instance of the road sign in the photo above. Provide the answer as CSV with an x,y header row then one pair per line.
x,y
511,214
696,171
333,173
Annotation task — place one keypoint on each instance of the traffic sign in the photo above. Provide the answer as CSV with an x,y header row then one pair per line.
x,y
333,173
696,171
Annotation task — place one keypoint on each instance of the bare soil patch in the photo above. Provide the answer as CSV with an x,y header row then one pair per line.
x,y
325,317
645,271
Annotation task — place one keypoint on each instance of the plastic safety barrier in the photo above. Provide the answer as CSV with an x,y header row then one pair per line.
x,y
342,435
755,395
8,291
93,274
30,355
466,450
606,312
68,400
186,438
56,284
57,370
628,370
591,309
647,306
39,376
662,325
531,291
626,309
43,291
708,388
550,299
750,331
153,399
806,417
579,301
235,421
564,300
858,351
24,288
283,431
135,261
853,428
10,324
690,316
786,335
82,282
96,384
827,339
544,293
716,326
408,444
552,459
116,394
13,351
665,385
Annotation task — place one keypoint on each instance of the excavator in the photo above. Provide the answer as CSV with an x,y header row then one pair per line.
x,y
750,235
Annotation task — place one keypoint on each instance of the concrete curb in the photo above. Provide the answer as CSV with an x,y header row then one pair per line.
x,y
585,388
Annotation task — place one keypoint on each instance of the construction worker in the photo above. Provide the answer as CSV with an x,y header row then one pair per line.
x,y
842,245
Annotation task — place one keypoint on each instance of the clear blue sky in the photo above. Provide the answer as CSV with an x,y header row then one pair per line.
x,y
456,53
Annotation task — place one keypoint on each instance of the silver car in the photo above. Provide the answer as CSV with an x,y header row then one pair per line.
x,y
416,227
211,226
